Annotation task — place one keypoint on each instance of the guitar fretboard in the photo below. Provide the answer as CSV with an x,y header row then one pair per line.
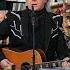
x,y
51,64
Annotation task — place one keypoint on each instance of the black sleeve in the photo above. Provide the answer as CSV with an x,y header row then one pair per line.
x,y
57,48
2,56
4,29
4,32
62,49
50,53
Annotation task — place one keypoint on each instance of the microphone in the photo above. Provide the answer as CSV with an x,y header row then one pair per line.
x,y
33,16
33,23
26,7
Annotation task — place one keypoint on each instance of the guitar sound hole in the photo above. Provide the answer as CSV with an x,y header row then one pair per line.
x,y
25,66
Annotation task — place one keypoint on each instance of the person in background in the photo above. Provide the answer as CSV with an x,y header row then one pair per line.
x,y
21,34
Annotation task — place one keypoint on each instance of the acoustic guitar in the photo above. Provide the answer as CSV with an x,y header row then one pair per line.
x,y
21,58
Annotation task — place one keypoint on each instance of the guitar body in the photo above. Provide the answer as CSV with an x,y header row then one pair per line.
x,y
19,58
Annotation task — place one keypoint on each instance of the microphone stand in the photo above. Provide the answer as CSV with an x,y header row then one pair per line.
x,y
33,23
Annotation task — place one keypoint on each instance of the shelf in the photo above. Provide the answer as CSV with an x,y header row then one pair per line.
x,y
56,6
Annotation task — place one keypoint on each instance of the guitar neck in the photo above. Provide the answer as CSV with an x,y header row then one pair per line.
x,y
54,61
51,64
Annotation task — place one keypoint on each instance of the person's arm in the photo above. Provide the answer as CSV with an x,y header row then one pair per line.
x,y
4,29
2,55
4,62
4,32
62,49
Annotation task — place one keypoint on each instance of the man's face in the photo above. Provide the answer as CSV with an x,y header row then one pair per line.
x,y
2,15
38,4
